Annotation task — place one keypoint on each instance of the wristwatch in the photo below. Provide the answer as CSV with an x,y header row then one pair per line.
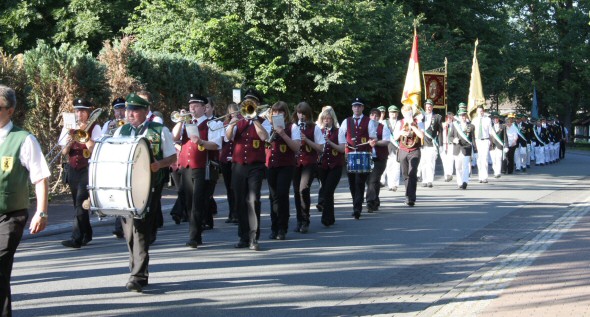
x,y
43,214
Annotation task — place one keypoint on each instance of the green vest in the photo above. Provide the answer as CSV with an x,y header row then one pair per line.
x,y
154,136
14,177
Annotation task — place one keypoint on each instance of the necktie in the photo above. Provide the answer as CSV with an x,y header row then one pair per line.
x,y
480,128
356,122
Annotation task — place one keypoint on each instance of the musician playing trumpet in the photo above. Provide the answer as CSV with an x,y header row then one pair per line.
x,y
409,134
77,171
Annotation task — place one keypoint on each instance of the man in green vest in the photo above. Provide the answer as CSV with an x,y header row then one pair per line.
x,y
139,232
21,161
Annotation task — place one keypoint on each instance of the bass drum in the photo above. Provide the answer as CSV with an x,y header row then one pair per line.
x,y
119,179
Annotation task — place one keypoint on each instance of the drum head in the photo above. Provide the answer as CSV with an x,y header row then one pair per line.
x,y
141,176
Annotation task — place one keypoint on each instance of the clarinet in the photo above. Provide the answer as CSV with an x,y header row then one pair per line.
x,y
302,131
326,136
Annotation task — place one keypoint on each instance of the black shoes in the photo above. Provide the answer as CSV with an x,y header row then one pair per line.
x,y
282,235
71,244
273,235
304,228
429,185
298,227
193,244
319,207
464,185
176,219
241,244
134,286
356,215
424,185
409,202
118,234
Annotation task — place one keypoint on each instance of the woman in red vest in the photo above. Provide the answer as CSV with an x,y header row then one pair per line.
x,y
312,141
330,164
284,142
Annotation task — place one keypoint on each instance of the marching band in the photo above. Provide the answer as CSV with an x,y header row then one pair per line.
x,y
252,142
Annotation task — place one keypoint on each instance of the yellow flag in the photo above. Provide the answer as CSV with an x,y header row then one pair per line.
x,y
412,87
475,97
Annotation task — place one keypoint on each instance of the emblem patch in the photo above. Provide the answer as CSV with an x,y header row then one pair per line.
x,y
7,162
283,148
256,143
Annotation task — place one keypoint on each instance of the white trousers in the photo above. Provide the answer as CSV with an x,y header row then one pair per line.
x,y
392,171
540,154
520,157
427,163
483,150
496,161
462,166
446,156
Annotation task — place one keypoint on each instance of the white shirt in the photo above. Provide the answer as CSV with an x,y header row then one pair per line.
x,y
156,118
398,129
31,156
318,137
215,133
96,134
486,125
167,140
295,132
344,128
512,135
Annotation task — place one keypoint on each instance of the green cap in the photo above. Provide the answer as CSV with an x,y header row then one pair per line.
x,y
494,114
462,111
429,101
393,109
136,102
381,108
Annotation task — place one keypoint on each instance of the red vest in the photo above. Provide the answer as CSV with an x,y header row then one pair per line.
x,y
76,155
381,151
418,142
248,147
362,134
331,157
227,149
193,155
279,153
307,155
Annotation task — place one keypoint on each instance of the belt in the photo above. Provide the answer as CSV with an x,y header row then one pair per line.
x,y
484,139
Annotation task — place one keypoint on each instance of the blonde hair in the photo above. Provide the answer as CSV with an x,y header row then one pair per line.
x,y
327,111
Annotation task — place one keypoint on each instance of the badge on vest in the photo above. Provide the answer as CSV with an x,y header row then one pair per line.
x,y
283,148
307,148
334,152
86,153
256,143
363,140
201,148
7,162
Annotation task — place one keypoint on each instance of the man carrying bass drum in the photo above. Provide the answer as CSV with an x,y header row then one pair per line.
x,y
138,232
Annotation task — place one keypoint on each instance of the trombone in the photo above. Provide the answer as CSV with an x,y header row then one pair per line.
x,y
248,109
78,135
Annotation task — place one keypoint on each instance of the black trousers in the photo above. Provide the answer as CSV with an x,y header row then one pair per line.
x,y
374,183
210,204
12,226
138,234
78,181
329,179
409,162
226,172
561,149
246,184
302,179
356,184
508,164
193,186
279,186
179,208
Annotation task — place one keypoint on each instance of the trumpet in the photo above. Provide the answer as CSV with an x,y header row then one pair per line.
x,y
248,109
182,115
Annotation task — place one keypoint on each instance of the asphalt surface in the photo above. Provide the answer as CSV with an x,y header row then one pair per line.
x,y
515,246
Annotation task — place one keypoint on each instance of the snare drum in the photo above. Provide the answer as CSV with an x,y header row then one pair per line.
x,y
119,179
359,162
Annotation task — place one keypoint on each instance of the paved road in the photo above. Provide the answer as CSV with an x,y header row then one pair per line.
x,y
517,244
